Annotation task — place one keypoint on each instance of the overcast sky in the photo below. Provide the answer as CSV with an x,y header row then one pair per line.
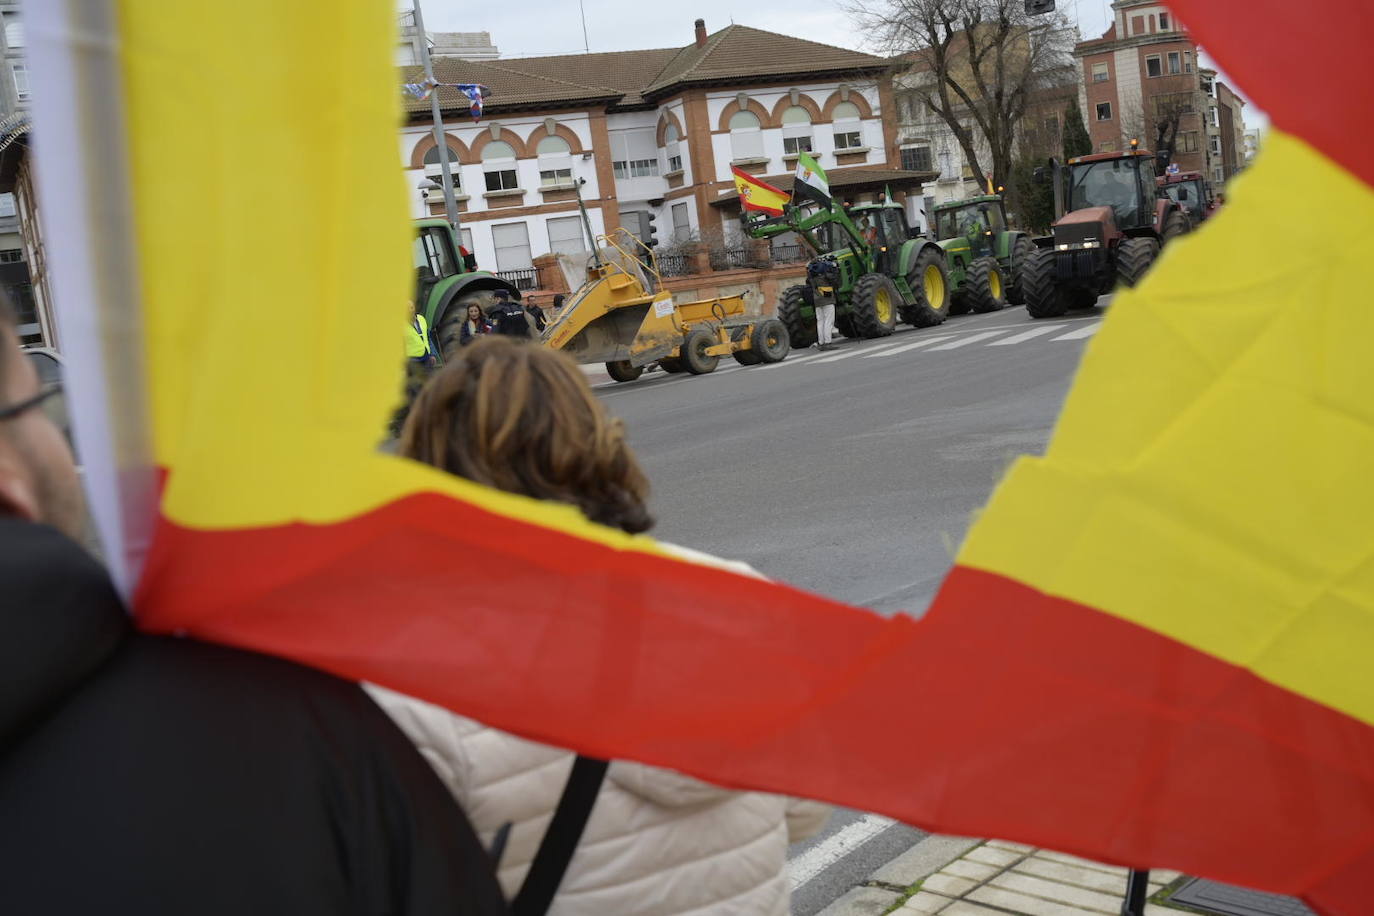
x,y
528,28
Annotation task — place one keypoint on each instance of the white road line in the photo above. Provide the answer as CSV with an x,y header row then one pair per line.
x,y
965,341
797,361
1027,335
912,346
1080,333
839,356
835,847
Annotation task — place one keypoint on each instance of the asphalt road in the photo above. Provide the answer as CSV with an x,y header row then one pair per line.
x,y
854,474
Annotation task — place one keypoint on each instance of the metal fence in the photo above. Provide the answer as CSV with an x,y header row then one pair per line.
x,y
522,280
674,265
788,254
736,258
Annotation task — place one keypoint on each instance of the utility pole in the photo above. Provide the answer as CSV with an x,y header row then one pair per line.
x,y
422,51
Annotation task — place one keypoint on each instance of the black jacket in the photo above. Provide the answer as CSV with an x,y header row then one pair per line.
x,y
154,775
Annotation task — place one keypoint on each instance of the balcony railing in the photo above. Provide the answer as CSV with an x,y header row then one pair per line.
x,y
736,258
675,265
524,279
788,254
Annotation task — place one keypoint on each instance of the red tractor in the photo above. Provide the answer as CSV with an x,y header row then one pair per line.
x,y
1192,193
1115,221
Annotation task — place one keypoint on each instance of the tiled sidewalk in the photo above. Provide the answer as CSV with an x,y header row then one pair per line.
x,y
997,878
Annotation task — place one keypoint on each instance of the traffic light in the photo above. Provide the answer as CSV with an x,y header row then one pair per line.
x,y
1039,7
650,230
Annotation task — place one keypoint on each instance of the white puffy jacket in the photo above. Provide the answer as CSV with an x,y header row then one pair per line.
x,y
657,842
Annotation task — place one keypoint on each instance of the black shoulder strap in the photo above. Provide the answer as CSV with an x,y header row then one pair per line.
x,y
560,842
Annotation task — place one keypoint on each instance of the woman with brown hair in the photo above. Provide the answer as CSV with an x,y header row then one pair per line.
x,y
522,418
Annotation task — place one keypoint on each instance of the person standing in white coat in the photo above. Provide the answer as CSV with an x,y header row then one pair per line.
x,y
657,843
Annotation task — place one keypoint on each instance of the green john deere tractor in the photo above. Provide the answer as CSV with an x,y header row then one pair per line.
x,y
867,261
985,257
447,281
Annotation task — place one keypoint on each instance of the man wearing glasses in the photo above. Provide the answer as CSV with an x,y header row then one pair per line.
x,y
152,775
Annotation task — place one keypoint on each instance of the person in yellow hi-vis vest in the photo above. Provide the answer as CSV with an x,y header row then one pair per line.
x,y
420,362
418,346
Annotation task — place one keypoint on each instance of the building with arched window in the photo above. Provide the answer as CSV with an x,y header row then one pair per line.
x,y
648,138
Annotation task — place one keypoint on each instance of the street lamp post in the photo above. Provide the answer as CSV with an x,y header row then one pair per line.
x,y
422,50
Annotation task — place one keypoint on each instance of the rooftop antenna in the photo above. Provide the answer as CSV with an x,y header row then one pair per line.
x,y
586,45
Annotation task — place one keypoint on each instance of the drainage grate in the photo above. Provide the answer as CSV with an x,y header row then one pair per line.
x,y
1229,900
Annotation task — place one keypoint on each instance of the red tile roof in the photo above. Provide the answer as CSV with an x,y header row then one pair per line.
x,y
630,79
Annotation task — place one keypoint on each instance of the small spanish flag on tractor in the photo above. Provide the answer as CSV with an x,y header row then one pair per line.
x,y
759,195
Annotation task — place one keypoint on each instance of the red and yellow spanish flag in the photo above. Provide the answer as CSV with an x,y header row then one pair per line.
x,y
757,194
1153,649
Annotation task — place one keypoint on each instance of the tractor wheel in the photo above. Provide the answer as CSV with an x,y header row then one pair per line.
x,y
1175,224
845,325
449,328
800,330
694,355
959,303
622,371
1016,295
929,281
1133,258
983,287
873,305
671,364
1044,298
769,340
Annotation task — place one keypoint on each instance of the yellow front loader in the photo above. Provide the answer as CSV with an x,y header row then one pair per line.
x,y
621,316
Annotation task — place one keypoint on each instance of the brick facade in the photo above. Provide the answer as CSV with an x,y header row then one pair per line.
x,y
1143,70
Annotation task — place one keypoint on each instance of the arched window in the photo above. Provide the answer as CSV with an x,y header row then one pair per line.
x,y
796,131
498,163
744,120
848,131
555,162
432,157
432,169
672,147
746,136
498,150
552,146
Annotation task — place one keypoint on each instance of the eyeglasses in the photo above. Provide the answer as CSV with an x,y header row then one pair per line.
x,y
46,393
54,403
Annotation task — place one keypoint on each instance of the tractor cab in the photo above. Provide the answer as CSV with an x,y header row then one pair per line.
x,y
978,220
1189,190
884,228
1123,182
433,256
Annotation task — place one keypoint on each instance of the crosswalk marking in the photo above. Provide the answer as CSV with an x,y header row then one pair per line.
x,y
966,340
839,356
852,351
911,346
1080,333
937,342
1027,335
797,361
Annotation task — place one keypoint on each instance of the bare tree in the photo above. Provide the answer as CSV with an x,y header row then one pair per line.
x,y
973,63
1155,121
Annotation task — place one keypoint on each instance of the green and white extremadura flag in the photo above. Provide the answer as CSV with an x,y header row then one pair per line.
x,y
811,181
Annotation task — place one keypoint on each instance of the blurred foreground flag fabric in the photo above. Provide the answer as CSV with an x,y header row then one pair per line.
x,y
1176,603
1153,650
